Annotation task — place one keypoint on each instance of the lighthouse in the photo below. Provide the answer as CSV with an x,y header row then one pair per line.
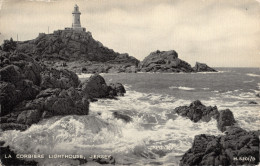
x,y
76,19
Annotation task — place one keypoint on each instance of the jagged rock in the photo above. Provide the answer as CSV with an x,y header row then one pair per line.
x,y
125,118
202,67
64,79
225,119
9,97
164,61
29,117
68,102
10,73
48,92
28,90
118,88
197,111
230,149
95,86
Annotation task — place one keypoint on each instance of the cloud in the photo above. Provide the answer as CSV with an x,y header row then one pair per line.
x,y
213,31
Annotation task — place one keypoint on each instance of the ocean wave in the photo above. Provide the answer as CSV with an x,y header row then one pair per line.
x,y
253,75
182,88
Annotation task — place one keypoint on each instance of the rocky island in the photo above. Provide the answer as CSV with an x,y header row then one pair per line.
x,y
168,61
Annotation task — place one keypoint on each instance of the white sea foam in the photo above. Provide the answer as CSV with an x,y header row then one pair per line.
x,y
253,75
84,75
181,88
128,142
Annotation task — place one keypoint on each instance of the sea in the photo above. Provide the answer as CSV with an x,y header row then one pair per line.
x,y
151,138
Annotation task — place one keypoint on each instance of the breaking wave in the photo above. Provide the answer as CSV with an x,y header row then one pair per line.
x,y
181,88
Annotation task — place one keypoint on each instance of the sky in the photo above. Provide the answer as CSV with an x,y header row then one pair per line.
x,y
221,33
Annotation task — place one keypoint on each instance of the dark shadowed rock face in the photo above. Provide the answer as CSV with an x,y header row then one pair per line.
x,y
31,92
196,111
164,61
95,87
226,119
117,89
237,147
64,79
202,67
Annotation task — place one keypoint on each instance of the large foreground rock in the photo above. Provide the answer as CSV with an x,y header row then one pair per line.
x,y
95,86
237,147
30,91
164,61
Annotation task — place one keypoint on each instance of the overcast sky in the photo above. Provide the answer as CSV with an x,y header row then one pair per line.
x,y
218,32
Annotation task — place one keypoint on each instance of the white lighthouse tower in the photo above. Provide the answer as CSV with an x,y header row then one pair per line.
x,y
76,19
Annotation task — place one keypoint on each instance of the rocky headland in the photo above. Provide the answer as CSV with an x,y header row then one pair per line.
x,y
79,52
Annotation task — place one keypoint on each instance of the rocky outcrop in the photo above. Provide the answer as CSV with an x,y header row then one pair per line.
x,y
168,61
196,112
117,89
64,79
31,91
164,61
202,67
95,87
237,147
225,119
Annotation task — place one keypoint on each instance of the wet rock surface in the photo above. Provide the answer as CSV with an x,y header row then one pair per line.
x,y
196,112
236,147
226,119
122,116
